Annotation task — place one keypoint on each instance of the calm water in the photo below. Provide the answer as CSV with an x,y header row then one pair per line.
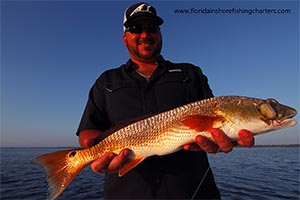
x,y
257,173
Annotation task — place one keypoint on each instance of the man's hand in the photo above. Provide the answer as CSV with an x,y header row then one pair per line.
x,y
222,142
88,138
110,162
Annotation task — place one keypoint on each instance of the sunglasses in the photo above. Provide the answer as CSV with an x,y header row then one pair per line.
x,y
138,29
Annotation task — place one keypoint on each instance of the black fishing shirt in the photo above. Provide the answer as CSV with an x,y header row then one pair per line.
x,y
120,95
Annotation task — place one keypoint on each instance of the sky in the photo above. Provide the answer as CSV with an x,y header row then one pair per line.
x,y
53,51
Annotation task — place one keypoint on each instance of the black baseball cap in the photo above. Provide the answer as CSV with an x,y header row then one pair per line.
x,y
140,11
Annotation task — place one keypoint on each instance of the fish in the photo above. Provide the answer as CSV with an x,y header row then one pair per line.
x,y
167,132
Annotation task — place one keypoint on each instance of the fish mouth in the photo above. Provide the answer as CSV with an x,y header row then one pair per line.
x,y
284,123
289,113
286,118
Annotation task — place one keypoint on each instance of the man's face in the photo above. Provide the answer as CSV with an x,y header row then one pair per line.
x,y
143,40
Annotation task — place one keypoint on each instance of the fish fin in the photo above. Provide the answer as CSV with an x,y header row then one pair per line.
x,y
61,169
130,165
200,122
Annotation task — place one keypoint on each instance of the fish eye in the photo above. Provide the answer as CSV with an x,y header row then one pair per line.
x,y
273,103
72,154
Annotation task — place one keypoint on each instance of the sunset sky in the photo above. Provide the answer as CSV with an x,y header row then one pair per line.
x,y
53,51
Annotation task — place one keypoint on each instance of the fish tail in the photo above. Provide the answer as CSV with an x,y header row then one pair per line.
x,y
61,167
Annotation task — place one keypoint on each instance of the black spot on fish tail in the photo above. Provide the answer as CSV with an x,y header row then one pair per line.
x,y
72,154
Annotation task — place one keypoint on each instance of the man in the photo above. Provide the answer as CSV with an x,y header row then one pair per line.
x,y
148,84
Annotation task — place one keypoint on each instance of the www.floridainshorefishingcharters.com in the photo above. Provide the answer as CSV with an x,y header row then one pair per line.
x,y
249,11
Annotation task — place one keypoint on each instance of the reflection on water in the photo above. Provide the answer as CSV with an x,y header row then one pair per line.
x,y
257,173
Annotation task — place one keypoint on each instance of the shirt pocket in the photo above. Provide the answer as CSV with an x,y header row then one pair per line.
x,y
123,101
173,91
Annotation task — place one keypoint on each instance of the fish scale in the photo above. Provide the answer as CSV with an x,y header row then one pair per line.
x,y
159,129
168,131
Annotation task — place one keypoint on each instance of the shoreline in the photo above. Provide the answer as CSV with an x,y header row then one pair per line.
x,y
277,145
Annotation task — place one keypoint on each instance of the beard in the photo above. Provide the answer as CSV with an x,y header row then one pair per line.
x,y
146,49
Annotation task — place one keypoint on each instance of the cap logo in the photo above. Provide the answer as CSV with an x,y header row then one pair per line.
x,y
142,8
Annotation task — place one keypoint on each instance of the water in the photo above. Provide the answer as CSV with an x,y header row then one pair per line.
x,y
257,173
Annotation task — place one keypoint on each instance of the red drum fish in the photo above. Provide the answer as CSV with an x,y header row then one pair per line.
x,y
167,132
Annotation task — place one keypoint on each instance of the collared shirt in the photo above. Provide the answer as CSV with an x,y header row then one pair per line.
x,y
121,95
